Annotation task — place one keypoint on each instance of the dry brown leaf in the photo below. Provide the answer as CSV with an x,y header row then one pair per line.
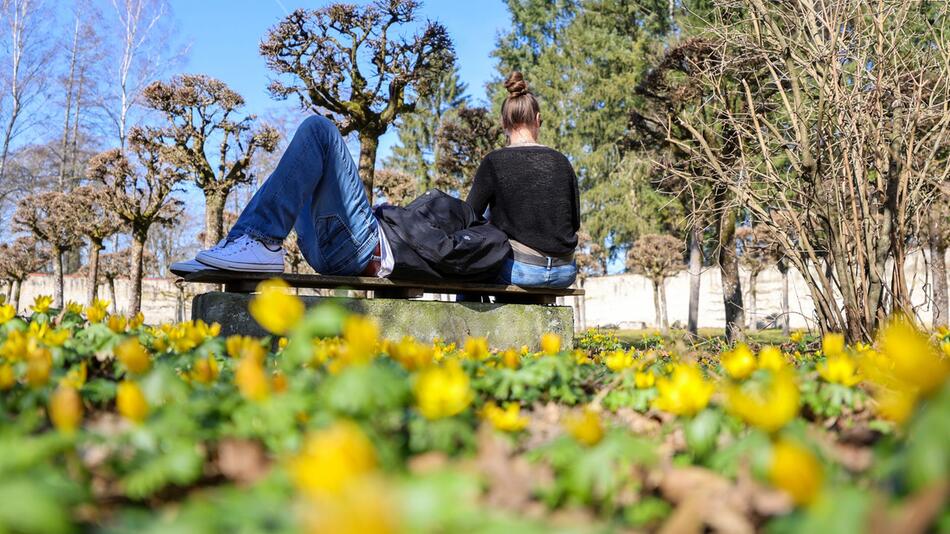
x,y
511,479
242,460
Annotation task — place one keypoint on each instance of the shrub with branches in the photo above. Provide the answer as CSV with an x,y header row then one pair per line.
x,y
18,260
53,219
96,224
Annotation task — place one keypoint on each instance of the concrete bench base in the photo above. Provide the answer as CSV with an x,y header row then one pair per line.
x,y
505,325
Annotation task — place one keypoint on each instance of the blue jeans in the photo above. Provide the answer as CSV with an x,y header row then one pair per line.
x,y
527,275
316,190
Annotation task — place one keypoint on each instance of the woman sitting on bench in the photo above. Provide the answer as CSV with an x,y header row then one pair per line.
x,y
528,190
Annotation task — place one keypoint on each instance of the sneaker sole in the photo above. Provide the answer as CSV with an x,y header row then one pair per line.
x,y
241,266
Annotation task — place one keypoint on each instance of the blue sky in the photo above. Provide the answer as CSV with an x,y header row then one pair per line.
x,y
223,36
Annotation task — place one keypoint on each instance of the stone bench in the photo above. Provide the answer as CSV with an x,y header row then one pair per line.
x,y
518,316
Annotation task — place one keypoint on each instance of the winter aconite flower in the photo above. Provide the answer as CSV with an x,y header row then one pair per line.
x,y
644,379
96,312
550,343
331,459
251,379
204,370
832,344
130,401
797,336
7,376
586,427
476,348
116,323
42,303
65,409
768,406
839,369
619,360
508,419
274,308
410,353
39,364
74,307
442,391
243,347
7,313
915,361
133,356
685,392
740,362
362,339
795,470
771,359
511,359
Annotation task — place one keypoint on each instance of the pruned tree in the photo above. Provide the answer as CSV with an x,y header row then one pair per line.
x,y
117,265
349,63
52,218
96,223
657,257
207,134
139,193
757,255
467,135
396,186
18,260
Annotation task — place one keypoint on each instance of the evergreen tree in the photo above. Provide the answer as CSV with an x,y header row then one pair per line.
x,y
416,153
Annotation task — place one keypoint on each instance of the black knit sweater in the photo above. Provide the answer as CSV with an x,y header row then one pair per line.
x,y
532,194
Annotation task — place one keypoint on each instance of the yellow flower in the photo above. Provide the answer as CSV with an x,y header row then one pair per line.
x,y
684,393
136,321
508,419
65,409
205,370
771,358
619,360
39,364
797,336
915,360
331,459
832,344
769,409
895,405
795,470
7,313
585,427
251,379
739,363
279,382
55,338
76,376
550,343
363,506
361,335
74,307
188,335
274,308
7,376
525,350
442,391
511,359
41,303
282,343
116,323
840,369
130,401
133,356
476,348
644,379
96,312
411,354
244,347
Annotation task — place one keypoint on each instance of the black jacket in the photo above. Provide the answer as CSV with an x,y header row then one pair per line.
x,y
439,237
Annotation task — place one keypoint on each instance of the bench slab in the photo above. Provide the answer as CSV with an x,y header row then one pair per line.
x,y
239,282
505,325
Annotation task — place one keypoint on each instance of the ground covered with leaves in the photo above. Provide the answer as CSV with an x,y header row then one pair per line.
x,y
107,424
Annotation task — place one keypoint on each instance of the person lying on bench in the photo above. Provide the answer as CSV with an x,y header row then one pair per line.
x,y
529,191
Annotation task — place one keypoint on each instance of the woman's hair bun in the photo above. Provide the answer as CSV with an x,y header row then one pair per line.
x,y
516,85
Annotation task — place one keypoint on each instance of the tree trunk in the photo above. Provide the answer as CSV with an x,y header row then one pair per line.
x,y
582,305
15,294
664,317
57,277
112,297
753,311
214,216
135,294
783,268
367,167
695,278
729,270
92,278
938,271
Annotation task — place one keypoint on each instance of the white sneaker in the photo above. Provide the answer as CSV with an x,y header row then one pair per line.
x,y
182,268
244,254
